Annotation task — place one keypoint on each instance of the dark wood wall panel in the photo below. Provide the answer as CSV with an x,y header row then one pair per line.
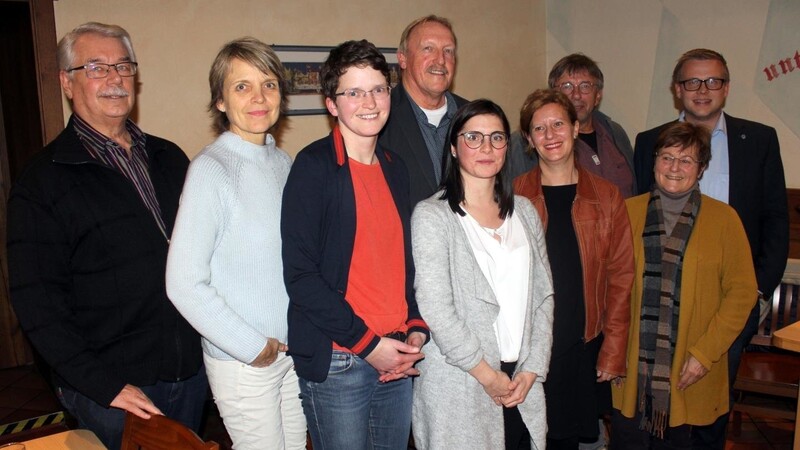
x,y
794,222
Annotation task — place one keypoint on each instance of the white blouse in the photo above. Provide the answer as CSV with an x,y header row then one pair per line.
x,y
506,265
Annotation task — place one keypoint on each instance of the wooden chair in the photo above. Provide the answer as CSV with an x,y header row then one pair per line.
x,y
767,382
161,433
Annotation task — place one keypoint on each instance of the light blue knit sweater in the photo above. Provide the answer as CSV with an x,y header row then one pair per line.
x,y
224,270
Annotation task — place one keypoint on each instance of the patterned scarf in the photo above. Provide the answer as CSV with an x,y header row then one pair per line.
x,y
663,257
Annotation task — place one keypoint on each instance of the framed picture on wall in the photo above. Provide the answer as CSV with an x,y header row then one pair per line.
x,y
302,64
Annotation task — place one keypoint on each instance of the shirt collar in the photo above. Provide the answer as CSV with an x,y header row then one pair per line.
x,y
720,127
420,114
99,142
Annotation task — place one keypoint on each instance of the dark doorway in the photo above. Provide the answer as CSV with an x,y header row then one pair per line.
x,y
19,96
30,116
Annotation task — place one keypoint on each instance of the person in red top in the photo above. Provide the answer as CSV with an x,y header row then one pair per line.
x,y
355,331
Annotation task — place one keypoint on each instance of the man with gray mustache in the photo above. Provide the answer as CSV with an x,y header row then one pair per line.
x,y
89,223
422,105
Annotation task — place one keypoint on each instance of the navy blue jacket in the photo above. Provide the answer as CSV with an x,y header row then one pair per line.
x,y
318,226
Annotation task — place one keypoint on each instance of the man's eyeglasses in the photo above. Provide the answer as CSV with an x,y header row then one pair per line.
x,y
100,70
684,162
584,87
712,84
358,94
474,139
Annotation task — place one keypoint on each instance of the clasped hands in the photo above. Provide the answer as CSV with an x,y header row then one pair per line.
x,y
507,392
500,388
394,359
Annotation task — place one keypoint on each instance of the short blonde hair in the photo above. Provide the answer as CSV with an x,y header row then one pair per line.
x,y
253,52
422,20
699,54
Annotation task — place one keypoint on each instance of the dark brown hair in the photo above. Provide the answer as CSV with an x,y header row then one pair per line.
x,y
686,135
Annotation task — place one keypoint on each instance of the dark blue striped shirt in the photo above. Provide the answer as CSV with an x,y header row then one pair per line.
x,y
134,167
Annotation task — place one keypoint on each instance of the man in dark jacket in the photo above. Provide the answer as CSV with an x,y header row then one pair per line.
x,y
422,104
745,171
89,222
603,148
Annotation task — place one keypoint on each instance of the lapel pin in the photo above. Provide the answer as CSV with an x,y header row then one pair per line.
x,y
743,136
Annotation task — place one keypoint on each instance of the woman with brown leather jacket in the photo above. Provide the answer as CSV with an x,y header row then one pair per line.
x,y
591,258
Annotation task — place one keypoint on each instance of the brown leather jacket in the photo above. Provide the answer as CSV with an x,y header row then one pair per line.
x,y
606,247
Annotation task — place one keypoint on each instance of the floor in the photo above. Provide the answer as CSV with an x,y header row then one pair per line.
x,y
24,395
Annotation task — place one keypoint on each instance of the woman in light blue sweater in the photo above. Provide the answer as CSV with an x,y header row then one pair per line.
x,y
224,271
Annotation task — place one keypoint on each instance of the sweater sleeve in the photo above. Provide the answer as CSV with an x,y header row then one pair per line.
x,y
541,339
435,294
737,290
200,224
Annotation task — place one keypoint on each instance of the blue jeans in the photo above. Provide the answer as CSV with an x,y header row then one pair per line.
x,y
352,410
182,401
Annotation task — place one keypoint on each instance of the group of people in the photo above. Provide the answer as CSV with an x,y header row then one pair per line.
x,y
419,265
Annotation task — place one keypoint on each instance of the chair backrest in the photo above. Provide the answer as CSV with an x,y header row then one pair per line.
x,y
161,433
783,312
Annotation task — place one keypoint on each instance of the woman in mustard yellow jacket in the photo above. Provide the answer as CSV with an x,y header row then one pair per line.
x,y
693,290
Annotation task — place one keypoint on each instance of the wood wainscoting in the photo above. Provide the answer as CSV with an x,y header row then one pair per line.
x,y
794,222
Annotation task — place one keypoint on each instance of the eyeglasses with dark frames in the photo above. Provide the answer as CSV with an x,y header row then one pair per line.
x,y
712,84
100,70
474,139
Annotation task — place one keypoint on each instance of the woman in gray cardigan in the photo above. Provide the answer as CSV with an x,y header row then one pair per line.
x,y
483,286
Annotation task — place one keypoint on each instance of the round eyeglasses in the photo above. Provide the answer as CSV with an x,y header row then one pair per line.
x,y
474,139
584,87
100,70
360,94
712,84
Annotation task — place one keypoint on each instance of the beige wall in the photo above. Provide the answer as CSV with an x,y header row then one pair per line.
x,y
636,43
504,51
176,41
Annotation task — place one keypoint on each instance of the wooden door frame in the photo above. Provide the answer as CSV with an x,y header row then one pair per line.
x,y
43,23
14,348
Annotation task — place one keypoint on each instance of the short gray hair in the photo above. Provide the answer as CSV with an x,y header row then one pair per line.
x,y
66,46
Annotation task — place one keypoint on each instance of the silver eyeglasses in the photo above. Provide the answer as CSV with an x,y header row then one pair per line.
x,y
584,87
358,94
684,162
712,84
474,139
100,70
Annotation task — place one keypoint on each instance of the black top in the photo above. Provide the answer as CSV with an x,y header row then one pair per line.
x,y
565,263
590,139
